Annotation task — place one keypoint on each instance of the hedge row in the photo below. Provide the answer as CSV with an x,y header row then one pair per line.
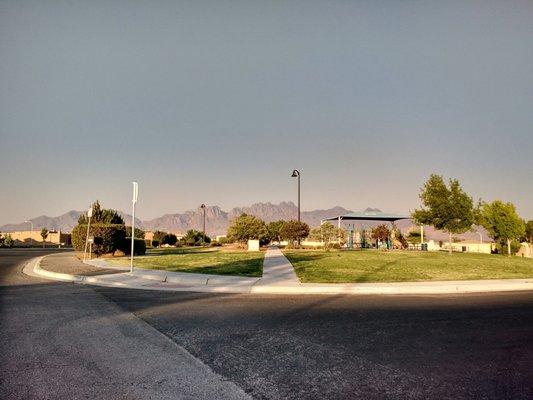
x,y
107,239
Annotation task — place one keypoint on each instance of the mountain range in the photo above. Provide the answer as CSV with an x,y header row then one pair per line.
x,y
218,220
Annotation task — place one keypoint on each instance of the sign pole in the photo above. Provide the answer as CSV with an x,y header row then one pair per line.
x,y
89,215
133,201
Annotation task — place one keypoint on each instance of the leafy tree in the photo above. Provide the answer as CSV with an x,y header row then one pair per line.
x,y
102,216
294,231
273,229
107,228
246,227
414,237
158,237
170,239
139,233
196,238
44,235
381,233
502,222
8,240
326,233
445,208
1,240
529,232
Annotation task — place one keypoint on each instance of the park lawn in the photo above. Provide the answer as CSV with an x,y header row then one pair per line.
x,y
404,266
201,260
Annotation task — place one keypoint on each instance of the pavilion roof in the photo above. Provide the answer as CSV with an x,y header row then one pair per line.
x,y
368,216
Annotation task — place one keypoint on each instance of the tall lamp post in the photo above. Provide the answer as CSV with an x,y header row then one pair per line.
x,y
203,208
31,233
296,174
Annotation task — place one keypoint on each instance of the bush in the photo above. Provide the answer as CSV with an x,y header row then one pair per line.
x,y
155,243
139,248
214,243
107,237
501,248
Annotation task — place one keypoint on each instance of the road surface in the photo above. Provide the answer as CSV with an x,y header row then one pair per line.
x,y
62,340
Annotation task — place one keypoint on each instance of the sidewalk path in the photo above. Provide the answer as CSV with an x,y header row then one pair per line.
x,y
277,270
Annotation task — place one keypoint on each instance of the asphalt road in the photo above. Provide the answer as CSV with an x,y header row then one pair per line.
x,y
272,347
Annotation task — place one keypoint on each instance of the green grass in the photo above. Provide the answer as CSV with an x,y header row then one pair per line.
x,y
404,266
201,260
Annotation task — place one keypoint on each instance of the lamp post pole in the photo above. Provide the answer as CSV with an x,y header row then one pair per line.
x,y
31,233
133,201
203,208
296,174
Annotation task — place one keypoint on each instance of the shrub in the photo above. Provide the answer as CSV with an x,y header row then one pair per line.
x,y
214,243
107,237
155,243
139,247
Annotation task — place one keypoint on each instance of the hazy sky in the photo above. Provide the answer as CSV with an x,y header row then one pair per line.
x,y
218,101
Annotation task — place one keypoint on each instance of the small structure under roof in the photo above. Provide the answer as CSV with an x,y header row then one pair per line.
x,y
367,215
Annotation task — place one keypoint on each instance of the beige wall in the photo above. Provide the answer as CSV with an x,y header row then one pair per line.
x,y
25,237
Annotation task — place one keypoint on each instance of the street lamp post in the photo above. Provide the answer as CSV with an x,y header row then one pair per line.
x,y
296,174
203,208
31,233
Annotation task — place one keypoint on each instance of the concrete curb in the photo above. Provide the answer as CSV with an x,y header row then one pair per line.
x,y
174,281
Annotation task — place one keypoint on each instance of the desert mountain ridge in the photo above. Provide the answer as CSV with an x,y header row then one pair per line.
x,y
218,220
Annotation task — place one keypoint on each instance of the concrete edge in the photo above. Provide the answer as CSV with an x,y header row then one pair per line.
x,y
33,268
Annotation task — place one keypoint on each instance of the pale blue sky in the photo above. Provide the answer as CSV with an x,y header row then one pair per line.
x,y
218,101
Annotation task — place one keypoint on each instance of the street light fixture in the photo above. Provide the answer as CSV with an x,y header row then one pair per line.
x,y
203,208
31,232
296,174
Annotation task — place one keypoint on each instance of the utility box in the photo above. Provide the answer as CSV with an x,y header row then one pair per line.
x,y
253,245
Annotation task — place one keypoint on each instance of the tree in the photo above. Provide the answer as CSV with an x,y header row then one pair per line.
x,y
8,240
445,208
502,222
381,233
1,241
107,228
294,231
170,239
414,237
158,237
139,233
529,232
44,235
246,227
195,238
326,233
274,229
102,216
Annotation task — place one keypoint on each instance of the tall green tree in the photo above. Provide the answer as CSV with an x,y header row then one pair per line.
x,y
502,222
44,235
326,233
529,232
293,231
274,229
445,207
246,227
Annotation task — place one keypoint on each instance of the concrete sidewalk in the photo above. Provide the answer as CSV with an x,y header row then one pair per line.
x,y
277,269
278,278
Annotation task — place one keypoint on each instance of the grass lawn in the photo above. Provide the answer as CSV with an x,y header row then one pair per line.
x,y
403,266
210,260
